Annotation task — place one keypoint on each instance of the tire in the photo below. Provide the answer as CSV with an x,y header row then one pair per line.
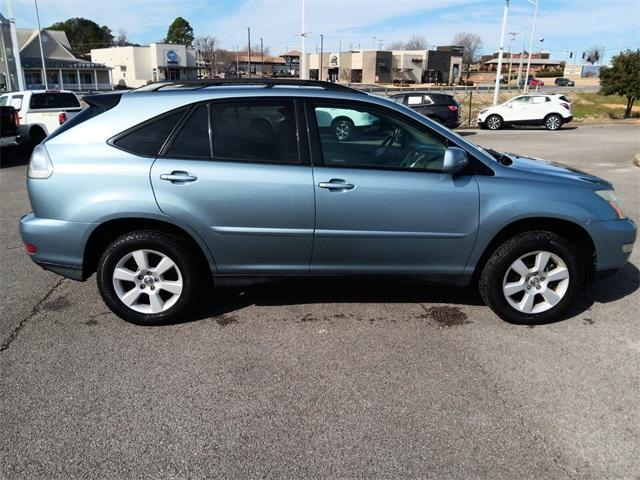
x,y
343,129
494,122
532,298
162,296
553,122
36,136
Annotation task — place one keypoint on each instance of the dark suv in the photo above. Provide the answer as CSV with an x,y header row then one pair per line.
x,y
440,107
564,82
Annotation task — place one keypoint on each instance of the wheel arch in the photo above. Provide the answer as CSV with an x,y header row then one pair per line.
x,y
571,231
108,231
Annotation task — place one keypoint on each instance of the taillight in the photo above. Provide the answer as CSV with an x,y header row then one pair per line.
x,y
453,108
40,165
566,105
62,117
30,248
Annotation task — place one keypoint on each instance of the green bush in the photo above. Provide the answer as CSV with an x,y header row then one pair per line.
x,y
548,73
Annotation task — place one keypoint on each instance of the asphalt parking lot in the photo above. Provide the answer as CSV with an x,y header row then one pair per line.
x,y
343,380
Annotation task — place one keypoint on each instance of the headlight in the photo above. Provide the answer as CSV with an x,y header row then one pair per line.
x,y
40,165
612,199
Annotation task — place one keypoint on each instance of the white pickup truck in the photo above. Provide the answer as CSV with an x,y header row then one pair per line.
x,y
41,111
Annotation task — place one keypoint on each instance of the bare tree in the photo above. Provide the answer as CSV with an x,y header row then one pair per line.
x,y
416,42
206,48
472,45
593,55
395,45
121,39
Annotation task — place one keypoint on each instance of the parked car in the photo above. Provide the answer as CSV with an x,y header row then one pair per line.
x,y
440,107
550,110
564,82
41,111
9,126
536,82
169,188
344,123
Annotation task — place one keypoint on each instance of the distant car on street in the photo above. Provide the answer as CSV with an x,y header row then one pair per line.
x,y
40,112
440,107
564,82
535,82
550,110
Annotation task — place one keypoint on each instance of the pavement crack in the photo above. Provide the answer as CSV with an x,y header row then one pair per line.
x,y
34,311
11,248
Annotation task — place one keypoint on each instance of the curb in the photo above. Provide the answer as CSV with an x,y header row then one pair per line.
x,y
636,160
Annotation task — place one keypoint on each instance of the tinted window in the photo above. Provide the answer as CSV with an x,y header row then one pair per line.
x,y
255,131
369,137
148,138
3,101
193,139
54,100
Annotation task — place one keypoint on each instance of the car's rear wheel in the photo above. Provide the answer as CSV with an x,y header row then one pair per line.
x,y
494,122
532,278
553,122
343,129
148,277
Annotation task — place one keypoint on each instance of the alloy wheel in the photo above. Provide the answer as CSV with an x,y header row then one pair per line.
x,y
493,123
536,282
147,281
343,130
553,123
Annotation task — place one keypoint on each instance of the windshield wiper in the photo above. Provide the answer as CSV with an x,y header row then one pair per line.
x,y
499,156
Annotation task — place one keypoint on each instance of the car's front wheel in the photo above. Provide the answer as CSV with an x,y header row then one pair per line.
x,y
343,129
532,278
494,122
148,277
553,122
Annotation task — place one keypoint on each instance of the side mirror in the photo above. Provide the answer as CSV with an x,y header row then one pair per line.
x,y
455,160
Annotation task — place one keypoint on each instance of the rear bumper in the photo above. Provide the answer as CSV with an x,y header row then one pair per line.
x,y
59,244
567,119
614,240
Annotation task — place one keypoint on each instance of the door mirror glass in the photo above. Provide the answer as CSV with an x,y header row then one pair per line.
x,y
455,160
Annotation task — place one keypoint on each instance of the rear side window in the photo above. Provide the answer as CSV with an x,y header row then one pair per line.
x,y
53,100
255,131
193,139
148,138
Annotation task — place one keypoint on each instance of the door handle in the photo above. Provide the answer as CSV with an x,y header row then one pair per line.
x,y
178,177
336,184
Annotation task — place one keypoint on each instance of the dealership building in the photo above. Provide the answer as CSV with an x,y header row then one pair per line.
x,y
443,65
134,67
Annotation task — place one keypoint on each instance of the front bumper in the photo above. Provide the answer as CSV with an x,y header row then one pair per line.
x,y
614,241
59,244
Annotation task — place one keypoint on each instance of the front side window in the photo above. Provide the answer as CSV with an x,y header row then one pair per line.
x,y
255,131
148,138
519,100
3,100
371,137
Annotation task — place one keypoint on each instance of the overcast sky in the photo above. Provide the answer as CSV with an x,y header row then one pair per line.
x,y
563,24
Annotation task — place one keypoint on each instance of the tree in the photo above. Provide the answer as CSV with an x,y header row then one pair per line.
x,y
121,40
395,45
622,78
416,42
206,48
180,33
84,35
593,55
472,46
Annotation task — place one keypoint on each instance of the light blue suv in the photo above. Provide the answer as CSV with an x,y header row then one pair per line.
x,y
162,188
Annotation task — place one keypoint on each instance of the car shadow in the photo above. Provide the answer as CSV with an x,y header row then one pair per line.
x,y
15,155
227,300
466,133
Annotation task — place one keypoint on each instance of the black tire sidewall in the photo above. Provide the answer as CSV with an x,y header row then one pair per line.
x,y
495,269
169,245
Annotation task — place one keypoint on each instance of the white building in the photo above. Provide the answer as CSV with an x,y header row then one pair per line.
x,y
137,66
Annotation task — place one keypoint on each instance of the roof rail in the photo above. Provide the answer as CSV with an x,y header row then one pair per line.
x,y
267,82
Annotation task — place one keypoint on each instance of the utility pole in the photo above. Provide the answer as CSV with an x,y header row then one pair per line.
x,y
261,58
501,52
533,33
520,67
249,49
513,38
303,53
321,53
374,43
15,48
237,62
44,68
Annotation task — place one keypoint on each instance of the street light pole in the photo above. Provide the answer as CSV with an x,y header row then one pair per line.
x,y
533,33
513,37
249,49
303,53
44,68
501,52
321,49
261,58
15,49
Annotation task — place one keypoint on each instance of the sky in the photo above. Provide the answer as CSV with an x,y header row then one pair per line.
x,y
564,25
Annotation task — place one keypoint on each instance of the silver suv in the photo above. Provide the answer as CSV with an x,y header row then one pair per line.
x,y
160,189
